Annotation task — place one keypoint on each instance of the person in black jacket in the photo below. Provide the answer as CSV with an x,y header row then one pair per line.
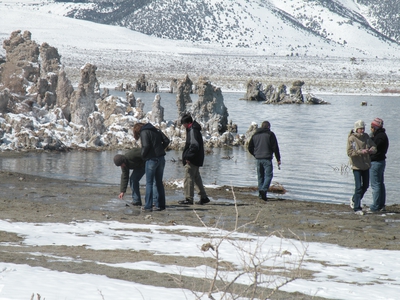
x,y
263,145
154,142
378,164
193,159
132,160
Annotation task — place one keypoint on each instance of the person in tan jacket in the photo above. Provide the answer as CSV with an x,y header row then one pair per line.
x,y
359,148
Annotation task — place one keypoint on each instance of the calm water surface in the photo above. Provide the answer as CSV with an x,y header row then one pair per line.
x,y
312,140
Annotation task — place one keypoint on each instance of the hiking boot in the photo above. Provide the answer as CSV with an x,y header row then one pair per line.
x,y
263,195
186,202
351,203
203,201
158,208
359,212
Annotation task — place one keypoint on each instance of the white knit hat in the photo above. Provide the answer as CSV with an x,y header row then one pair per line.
x,y
359,124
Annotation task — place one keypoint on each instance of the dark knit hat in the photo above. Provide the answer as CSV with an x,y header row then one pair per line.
x,y
377,123
119,159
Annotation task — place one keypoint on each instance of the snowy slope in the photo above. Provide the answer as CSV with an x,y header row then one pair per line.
x,y
280,51
275,27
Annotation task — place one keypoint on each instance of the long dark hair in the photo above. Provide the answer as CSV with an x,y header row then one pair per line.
x,y
136,130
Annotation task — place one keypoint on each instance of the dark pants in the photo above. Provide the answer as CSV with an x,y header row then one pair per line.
x,y
264,174
136,175
361,179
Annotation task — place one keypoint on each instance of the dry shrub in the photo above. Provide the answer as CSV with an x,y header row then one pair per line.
x,y
390,91
344,169
259,272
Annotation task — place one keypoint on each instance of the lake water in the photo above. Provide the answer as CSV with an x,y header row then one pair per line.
x,y
312,140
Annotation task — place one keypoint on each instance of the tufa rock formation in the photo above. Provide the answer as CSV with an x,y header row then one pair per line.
x,y
183,99
272,95
210,109
296,92
84,99
157,111
21,66
130,97
254,91
142,85
173,86
64,93
51,60
40,110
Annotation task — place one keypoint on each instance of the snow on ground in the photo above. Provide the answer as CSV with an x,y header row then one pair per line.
x,y
339,273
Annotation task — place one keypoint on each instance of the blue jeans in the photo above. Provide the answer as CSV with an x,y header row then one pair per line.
x,y
361,179
264,173
376,173
154,175
136,175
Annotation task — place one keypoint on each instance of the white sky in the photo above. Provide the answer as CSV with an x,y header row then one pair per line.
x,y
341,273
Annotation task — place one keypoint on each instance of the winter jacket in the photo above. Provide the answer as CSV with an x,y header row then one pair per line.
x,y
133,161
382,144
154,142
194,147
263,144
356,143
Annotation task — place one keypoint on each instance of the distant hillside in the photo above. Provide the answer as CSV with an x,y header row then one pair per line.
x,y
244,23
384,16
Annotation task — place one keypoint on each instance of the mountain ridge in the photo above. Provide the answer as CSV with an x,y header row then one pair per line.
x,y
368,65
248,23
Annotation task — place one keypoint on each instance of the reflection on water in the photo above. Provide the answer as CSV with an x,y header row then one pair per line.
x,y
312,140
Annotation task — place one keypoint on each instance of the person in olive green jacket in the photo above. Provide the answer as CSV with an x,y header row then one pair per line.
x,y
132,160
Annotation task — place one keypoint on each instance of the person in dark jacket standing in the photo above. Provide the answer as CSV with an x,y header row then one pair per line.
x,y
132,160
263,145
154,142
378,164
193,159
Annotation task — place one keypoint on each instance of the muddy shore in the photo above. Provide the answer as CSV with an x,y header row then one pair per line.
x,y
27,198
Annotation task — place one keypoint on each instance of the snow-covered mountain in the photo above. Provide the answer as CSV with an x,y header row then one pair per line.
x,y
270,27
332,45
288,27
